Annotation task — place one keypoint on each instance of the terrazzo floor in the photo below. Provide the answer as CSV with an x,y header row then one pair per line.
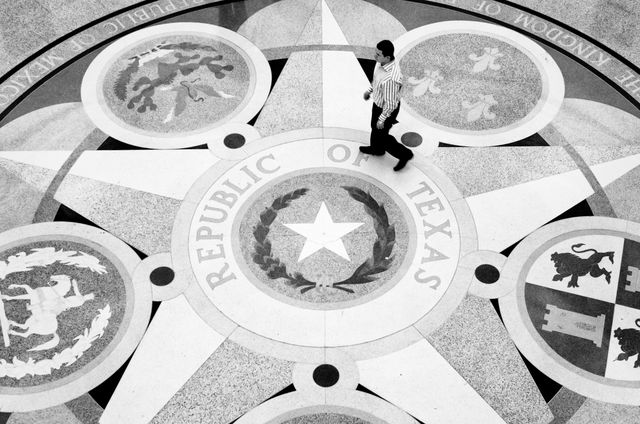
x,y
189,232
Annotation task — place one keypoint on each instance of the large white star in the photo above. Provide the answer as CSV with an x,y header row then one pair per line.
x,y
323,233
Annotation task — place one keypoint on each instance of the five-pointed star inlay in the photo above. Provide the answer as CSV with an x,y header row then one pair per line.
x,y
323,233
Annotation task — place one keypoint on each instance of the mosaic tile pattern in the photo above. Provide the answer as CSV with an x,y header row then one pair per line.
x,y
504,278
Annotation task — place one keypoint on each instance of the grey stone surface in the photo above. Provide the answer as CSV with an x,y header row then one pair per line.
x,y
232,381
326,419
350,14
608,21
312,31
296,99
86,410
477,345
480,170
624,195
141,219
589,123
67,15
26,27
593,411
55,415
267,29
18,200
564,404
48,128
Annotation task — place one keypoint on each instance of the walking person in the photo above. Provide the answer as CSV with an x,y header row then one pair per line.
x,y
385,90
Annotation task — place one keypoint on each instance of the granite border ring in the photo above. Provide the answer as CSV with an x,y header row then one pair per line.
x,y
543,112
331,401
116,352
95,104
517,319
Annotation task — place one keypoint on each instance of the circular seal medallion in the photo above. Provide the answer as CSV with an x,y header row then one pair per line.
x,y
69,315
323,239
322,250
575,310
478,84
175,85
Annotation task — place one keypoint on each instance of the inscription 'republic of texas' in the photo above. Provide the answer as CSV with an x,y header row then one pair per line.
x,y
431,216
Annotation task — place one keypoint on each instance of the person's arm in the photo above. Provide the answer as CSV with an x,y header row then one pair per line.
x,y
391,98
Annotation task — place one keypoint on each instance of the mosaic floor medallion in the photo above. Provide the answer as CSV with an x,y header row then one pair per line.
x,y
302,228
575,311
69,314
478,84
175,85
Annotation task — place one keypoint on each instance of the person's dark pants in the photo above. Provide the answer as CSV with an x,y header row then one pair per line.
x,y
381,141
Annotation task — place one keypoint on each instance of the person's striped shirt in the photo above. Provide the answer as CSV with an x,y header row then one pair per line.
x,y
385,88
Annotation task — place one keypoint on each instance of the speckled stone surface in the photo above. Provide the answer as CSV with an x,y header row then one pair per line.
x,y
477,345
564,404
326,419
594,155
141,219
350,14
470,82
589,123
67,15
55,415
86,410
47,129
480,170
593,411
184,84
36,177
624,195
118,4
267,29
232,381
312,31
323,265
97,278
18,200
26,27
608,21
296,99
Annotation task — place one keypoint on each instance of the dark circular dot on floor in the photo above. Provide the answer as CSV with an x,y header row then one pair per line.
x,y
326,375
162,276
234,141
411,139
487,274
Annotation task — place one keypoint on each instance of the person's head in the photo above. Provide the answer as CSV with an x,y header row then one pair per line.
x,y
384,52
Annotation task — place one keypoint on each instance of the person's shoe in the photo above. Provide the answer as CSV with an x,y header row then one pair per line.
x,y
368,150
402,163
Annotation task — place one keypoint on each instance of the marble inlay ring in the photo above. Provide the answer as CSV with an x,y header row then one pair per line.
x,y
477,84
69,313
307,243
175,85
329,405
575,310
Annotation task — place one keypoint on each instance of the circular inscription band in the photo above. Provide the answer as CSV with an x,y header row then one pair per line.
x,y
309,243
